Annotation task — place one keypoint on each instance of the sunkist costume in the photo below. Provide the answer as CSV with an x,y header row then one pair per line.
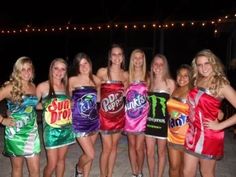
x,y
201,141
112,112
85,117
136,107
158,116
22,139
57,121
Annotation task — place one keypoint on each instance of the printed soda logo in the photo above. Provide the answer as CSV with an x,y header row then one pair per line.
x,y
58,112
113,103
178,121
134,104
87,106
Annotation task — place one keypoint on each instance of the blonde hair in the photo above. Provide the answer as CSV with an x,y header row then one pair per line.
x,y
131,65
16,80
218,79
50,77
166,74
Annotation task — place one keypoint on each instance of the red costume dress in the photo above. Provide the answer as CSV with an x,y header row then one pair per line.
x,y
112,108
200,140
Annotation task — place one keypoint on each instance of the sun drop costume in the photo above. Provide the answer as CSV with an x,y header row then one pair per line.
x,y
22,139
112,109
136,107
178,111
57,122
85,118
201,141
158,116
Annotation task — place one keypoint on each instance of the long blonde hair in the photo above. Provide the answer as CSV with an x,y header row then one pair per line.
x,y
16,80
218,79
131,65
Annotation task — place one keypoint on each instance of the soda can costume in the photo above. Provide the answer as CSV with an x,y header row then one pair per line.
x,y
158,116
85,119
57,122
136,107
178,111
23,138
201,141
112,109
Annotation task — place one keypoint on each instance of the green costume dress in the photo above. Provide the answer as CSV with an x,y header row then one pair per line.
x,y
57,122
22,139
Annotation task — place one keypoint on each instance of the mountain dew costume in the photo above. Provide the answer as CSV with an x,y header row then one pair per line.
x,y
158,116
57,121
85,119
22,139
112,109
178,110
136,108
201,141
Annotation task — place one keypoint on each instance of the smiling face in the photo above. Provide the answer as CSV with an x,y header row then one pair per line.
x,y
116,56
158,66
138,60
183,77
59,70
84,66
26,72
204,67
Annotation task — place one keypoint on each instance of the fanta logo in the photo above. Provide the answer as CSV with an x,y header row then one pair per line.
x,y
113,102
87,105
59,111
180,121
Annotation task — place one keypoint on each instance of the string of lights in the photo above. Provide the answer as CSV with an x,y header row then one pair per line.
x,y
214,22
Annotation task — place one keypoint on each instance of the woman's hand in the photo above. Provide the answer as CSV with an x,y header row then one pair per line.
x,y
9,122
213,124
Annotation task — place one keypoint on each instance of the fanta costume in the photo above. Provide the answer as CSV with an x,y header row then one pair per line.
x,y
57,122
200,140
23,138
136,107
158,116
85,119
112,109
178,111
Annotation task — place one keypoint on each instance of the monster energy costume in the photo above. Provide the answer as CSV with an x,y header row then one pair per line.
x,y
22,139
57,122
158,117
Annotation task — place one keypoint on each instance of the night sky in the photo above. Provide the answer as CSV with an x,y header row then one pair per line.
x,y
178,44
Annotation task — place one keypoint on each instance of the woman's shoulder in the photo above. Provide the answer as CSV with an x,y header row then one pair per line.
x,y
102,70
171,82
102,73
97,80
73,78
43,85
126,73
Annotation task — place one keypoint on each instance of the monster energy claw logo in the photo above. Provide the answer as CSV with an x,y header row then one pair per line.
x,y
154,99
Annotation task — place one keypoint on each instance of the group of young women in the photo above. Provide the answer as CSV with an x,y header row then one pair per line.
x,y
150,108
